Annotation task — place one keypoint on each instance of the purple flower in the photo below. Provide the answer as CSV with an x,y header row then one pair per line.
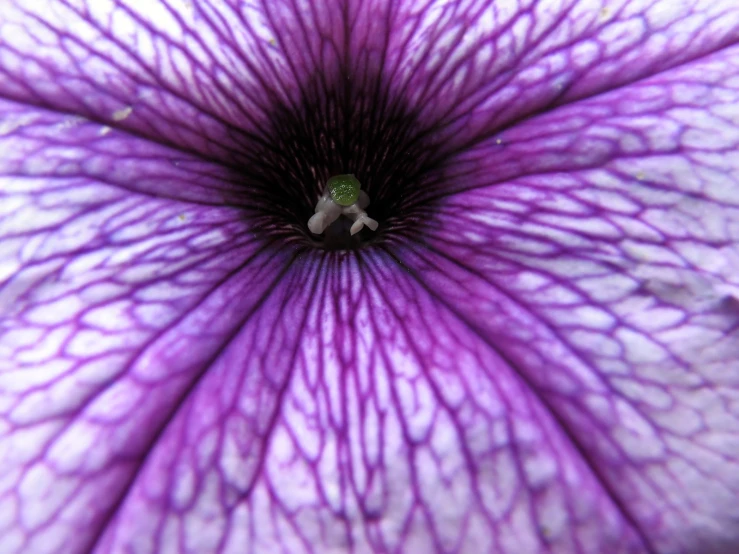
x,y
537,351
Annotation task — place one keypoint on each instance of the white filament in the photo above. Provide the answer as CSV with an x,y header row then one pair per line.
x,y
328,211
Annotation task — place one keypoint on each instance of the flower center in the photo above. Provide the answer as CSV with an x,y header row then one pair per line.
x,y
342,128
343,195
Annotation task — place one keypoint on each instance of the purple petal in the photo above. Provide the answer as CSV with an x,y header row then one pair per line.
x,y
406,436
114,304
553,368
474,68
598,249
171,71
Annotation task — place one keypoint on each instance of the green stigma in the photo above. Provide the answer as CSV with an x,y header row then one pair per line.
x,y
344,189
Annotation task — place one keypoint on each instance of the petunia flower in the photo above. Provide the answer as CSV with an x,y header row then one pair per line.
x,y
537,351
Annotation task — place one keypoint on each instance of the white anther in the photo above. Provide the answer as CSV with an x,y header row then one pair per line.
x,y
328,211
362,220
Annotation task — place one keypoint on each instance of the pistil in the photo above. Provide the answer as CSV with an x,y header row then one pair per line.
x,y
342,195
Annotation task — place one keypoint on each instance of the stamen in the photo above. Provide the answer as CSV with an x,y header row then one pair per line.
x,y
342,196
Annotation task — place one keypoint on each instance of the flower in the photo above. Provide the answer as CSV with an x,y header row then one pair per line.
x,y
536,351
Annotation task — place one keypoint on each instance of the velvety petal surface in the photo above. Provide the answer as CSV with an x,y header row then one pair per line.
x,y
113,304
474,67
553,367
198,75
612,287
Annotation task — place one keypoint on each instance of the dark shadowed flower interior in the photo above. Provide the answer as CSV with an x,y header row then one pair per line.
x,y
343,123
536,351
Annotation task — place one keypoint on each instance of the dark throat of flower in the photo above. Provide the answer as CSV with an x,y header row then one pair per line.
x,y
349,125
